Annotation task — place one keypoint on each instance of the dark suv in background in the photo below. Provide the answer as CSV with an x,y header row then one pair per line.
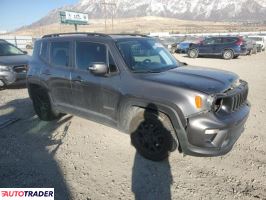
x,y
227,47
13,64
132,83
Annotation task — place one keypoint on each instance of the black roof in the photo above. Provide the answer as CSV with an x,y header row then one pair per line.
x,y
86,34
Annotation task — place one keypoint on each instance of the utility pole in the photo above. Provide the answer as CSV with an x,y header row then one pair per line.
x,y
105,14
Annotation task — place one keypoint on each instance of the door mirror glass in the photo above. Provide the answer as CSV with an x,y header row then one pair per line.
x,y
99,69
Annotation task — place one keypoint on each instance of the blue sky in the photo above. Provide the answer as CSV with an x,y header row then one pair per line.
x,y
16,13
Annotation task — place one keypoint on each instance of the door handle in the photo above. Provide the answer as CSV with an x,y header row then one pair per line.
x,y
46,72
77,79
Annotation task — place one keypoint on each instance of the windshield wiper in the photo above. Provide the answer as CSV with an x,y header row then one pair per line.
x,y
167,69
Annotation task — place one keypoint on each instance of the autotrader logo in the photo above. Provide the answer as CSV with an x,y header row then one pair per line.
x,y
27,193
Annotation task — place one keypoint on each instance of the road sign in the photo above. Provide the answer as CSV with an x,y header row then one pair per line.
x,y
69,17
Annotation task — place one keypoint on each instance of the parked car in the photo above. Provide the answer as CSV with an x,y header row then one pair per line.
x,y
226,47
183,47
260,40
13,63
252,47
171,42
132,83
259,47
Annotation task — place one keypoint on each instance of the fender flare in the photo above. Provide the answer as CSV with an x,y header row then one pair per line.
x,y
174,113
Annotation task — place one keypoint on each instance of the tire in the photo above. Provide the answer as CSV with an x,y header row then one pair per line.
x,y
228,54
193,53
2,85
152,134
42,106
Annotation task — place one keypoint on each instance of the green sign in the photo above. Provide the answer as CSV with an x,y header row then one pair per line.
x,y
69,17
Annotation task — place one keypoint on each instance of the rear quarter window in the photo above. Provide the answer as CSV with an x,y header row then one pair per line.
x,y
60,54
36,50
44,50
229,40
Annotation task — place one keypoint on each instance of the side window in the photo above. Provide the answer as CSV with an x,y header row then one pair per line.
x,y
112,65
60,53
229,40
88,53
208,41
218,41
44,50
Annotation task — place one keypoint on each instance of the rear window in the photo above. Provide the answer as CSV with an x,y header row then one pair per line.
x,y
60,52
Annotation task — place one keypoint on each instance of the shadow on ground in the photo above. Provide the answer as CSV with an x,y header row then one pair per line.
x,y
28,147
151,180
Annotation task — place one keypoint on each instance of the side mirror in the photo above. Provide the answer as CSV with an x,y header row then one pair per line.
x,y
99,69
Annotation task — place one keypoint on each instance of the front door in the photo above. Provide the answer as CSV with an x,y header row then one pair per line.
x,y
86,87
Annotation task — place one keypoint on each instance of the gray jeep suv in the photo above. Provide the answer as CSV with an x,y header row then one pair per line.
x,y
132,83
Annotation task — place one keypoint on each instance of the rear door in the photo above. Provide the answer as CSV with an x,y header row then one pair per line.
x,y
218,46
58,72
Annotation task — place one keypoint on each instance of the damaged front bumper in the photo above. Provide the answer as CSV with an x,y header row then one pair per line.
x,y
214,134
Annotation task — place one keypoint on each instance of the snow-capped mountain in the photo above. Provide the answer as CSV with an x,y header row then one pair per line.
x,y
214,10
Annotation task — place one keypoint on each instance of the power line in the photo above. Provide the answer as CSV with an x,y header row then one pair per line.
x,y
105,13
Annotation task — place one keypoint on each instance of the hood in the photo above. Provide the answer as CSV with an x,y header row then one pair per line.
x,y
14,60
206,80
186,44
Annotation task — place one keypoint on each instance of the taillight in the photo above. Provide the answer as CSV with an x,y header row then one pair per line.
x,y
239,42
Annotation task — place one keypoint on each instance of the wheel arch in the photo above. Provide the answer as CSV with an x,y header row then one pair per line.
x,y
129,106
225,49
36,85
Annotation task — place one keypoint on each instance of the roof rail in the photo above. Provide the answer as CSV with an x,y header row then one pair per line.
x,y
130,34
75,33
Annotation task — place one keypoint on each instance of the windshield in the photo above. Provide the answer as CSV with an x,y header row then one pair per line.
x,y
146,55
7,49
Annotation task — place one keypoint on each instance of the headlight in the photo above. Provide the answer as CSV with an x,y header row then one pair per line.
x,y
214,103
236,83
210,102
203,102
4,68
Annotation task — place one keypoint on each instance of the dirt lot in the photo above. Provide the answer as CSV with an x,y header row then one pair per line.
x,y
85,160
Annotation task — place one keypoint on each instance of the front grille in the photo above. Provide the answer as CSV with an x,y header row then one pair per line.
x,y
235,99
239,99
20,68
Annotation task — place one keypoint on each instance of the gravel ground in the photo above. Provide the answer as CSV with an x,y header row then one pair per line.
x,y
85,160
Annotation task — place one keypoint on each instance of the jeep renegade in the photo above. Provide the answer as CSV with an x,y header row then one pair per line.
x,y
131,82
